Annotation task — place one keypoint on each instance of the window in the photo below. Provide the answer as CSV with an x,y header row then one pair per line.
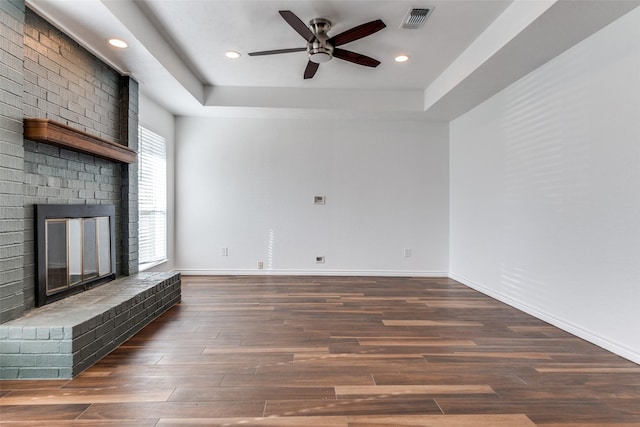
x,y
152,197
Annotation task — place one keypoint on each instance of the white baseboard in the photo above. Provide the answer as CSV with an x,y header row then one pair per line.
x,y
565,325
267,272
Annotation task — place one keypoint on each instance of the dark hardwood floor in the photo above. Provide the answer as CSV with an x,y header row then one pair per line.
x,y
309,351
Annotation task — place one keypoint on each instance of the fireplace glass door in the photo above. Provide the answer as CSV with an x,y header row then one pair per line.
x,y
104,256
75,249
78,250
75,255
89,249
57,268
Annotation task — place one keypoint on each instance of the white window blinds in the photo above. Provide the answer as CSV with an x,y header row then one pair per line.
x,y
152,197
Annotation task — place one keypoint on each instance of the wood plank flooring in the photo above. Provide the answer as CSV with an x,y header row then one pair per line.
x,y
356,352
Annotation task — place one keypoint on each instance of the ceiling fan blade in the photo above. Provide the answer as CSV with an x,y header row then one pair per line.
x,y
311,69
298,25
273,52
356,58
356,33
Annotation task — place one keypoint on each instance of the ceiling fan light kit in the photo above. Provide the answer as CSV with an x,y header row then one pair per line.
x,y
321,48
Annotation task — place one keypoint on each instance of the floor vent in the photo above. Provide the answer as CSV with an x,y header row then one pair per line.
x,y
416,18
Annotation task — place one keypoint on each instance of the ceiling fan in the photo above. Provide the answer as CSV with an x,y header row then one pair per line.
x,y
321,48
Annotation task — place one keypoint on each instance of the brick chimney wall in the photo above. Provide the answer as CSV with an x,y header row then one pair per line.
x,y
48,75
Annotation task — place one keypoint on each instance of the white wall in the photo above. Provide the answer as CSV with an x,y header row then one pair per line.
x,y
545,191
248,185
157,119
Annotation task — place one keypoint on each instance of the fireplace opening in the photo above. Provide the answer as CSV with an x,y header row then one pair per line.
x,y
75,249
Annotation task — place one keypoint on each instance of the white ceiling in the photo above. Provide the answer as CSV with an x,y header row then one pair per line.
x,y
466,52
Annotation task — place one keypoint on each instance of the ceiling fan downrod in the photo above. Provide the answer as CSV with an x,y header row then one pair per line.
x,y
319,49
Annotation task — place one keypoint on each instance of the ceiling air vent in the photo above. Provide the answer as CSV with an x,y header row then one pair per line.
x,y
415,18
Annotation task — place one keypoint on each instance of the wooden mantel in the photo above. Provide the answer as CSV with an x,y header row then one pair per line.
x,y
50,132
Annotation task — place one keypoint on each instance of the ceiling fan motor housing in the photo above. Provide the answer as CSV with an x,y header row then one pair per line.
x,y
319,49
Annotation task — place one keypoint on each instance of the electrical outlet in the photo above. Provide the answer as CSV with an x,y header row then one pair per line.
x,y
320,260
224,252
318,200
260,265
407,252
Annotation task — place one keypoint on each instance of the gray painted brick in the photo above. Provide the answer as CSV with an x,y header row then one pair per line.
x,y
29,333
84,176
11,162
11,251
66,347
40,347
57,162
68,154
43,333
11,263
9,373
9,347
18,360
10,313
56,332
76,166
73,177
57,360
10,276
83,340
54,181
34,179
39,373
10,188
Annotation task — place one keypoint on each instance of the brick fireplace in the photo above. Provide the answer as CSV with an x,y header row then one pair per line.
x,y
49,77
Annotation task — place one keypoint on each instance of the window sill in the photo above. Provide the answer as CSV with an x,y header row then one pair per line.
x,y
148,265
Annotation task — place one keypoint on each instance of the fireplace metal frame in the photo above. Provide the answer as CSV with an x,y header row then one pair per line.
x,y
45,212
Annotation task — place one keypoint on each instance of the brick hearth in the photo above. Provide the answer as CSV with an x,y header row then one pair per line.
x,y
63,338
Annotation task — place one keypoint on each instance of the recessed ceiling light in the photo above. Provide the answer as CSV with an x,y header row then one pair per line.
x,y
232,54
118,43
401,58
